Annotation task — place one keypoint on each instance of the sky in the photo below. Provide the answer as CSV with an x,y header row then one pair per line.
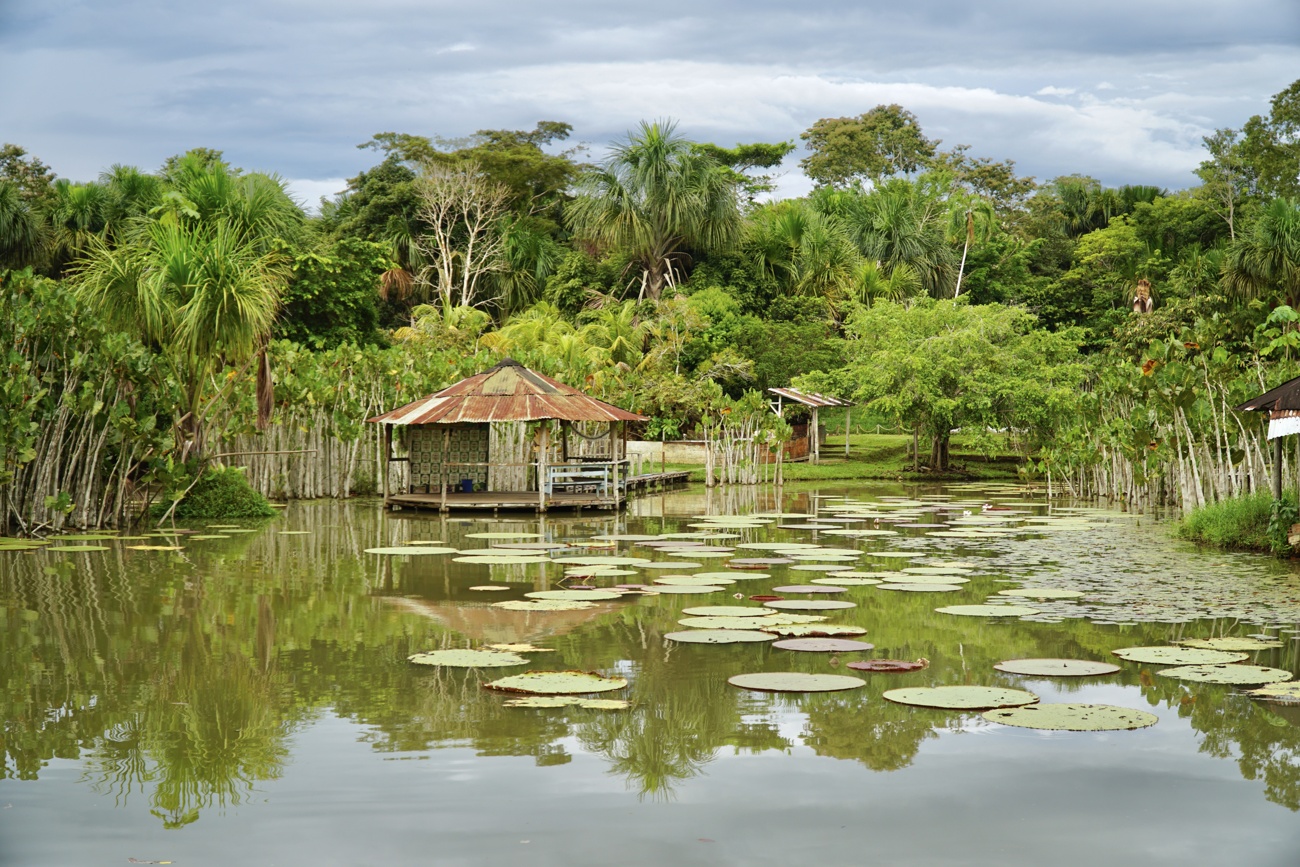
x,y
1122,90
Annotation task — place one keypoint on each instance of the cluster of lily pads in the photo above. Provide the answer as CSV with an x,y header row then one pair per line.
x,y
165,539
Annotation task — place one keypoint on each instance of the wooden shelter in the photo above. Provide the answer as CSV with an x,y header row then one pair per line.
x,y
470,446
814,402
1283,407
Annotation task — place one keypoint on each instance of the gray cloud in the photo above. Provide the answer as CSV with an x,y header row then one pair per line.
x,y
1120,90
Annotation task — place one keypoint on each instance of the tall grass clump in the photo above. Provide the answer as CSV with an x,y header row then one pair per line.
x,y
1246,523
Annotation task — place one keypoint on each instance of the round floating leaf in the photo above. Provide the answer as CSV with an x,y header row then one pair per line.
x,y
988,610
77,548
503,535
838,579
501,559
558,683
1284,692
935,570
892,665
1057,667
624,537
896,555
731,576
777,546
295,532
662,565
961,697
1073,717
155,547
686,589
720,636
1240,675
809,588
604,561
817,567
1178,655
542,605
486,587
206,536
810,630
919,587
1231,643
794,681
541,701
412,550
700,554
1042,593
902,578
603,704
468,658
809,604
83,537
521,648
823,645
575,595
693,581
758,562
728,611
743,623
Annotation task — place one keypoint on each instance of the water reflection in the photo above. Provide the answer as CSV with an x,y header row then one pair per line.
x,y
180,677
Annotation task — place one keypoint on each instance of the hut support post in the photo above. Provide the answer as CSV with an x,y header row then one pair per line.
x,y
815,447
541,465
848,415
442,469
388,458
1277,468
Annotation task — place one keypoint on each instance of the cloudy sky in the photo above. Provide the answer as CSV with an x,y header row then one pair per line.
x,y
1119,89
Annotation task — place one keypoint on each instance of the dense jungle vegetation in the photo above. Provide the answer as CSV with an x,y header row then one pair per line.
x,y
157,322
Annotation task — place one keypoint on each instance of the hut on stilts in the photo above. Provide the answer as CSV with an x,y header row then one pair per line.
x,y
507,438
1283,407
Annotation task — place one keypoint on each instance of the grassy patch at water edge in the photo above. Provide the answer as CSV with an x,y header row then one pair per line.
x,y
1237,524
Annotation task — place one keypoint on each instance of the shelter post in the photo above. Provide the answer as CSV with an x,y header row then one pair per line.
x,y
388,458
1277,468
544,438
442,471
815,439
848,417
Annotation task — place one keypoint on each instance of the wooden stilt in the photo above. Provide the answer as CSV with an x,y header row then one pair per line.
x,y
442,472
1277,468
388,458
541,466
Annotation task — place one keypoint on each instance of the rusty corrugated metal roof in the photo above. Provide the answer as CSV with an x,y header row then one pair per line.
x,y
809,398
507,392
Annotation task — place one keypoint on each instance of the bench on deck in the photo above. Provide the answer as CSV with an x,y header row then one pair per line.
x,y
576,478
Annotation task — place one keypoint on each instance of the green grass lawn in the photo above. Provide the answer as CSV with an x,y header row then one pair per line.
x,y
879,456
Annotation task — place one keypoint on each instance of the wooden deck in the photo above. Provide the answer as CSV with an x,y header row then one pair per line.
x,y
531,500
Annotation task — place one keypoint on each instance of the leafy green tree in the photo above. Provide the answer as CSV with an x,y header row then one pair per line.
x,y
884,142
745,158
1270,146
1226,179
22,236
654,198
332,296
33,178
1264,262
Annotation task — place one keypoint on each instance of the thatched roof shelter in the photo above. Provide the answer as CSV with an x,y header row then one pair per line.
x,y
1283,407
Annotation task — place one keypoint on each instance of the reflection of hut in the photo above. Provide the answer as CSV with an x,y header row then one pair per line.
x,y
486,442
808,439
484,622
1283,407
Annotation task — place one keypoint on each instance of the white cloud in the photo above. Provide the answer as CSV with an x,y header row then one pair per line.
x,y
1054,91
308,193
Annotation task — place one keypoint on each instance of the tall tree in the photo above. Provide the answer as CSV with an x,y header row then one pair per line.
x,y
881,143
461,213
1264,262
653,199
1270,145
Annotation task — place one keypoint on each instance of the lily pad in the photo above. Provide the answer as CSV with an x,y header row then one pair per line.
x,y
988,610
839,580
602,704
1231,643
720,636
1285,692
888,665
728,611
731,576
810,604
1042,593
541,701
503,535
486,587
575,595
1239,675
412,550
77,548
902,578
795,681
919,587
693,581
686,589
521,648
604,561
1178,655
809,588
810,630
542,605
1072,717
759,563
558,683
961,697
155,548
935,570
1057,667
467,658
823,645
501,559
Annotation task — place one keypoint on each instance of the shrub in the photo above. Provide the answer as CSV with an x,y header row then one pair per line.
x,y
221,493
1241,523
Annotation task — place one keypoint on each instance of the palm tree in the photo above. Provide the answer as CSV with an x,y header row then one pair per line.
x,y
1265,260
971,219
654,198
22,236
808,252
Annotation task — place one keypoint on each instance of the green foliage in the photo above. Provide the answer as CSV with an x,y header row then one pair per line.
x,y
333,295
1252,522
883,142
222,492
1270,146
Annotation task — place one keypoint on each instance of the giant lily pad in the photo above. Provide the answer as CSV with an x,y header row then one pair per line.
x,y
810,630
490,587
823,645
1073,717
840,580
919,587
935,570
503,535
604,561
809,604
1057,667
693,581
549,701
558,683
902,578
818,567
686,588
728,611
521,648
1178,655
961,697
468,658
1042,593
710,577
77,548
543,605
1231,643
1238,675
889,665
758,563
501,559
720,636
575,595
809,588
154,548
1284,692
795,681
988,610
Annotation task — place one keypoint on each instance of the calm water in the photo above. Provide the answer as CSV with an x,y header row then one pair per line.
x,y
248,701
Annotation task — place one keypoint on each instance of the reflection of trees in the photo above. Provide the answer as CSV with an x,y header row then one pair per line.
x,y
882,735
